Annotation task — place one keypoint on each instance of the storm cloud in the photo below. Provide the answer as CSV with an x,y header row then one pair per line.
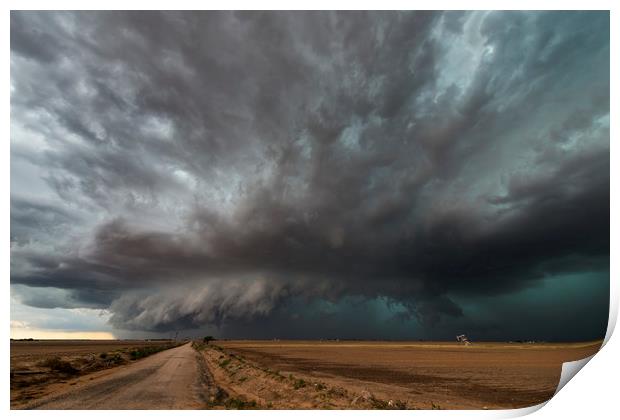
x,y
192,169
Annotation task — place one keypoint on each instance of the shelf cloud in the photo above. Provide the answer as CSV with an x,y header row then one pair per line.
x,y
187,170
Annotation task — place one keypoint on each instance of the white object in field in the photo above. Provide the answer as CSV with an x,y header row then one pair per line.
x,y
463,339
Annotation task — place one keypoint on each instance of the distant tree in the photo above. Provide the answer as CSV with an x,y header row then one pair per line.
x,y
208,338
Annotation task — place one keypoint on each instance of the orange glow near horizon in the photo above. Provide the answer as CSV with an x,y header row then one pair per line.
x,y
20,333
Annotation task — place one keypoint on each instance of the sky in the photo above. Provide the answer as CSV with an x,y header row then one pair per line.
x,y
372,175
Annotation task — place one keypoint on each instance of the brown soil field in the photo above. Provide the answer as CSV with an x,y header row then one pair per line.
x,y
424,375
40,365
54,374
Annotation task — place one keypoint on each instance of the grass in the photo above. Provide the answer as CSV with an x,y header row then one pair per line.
x,y
388,405
336,392
199,345
319,386
225,359
221,398
58,365
299,383
141,352
239,404
116,358
107,360
56,369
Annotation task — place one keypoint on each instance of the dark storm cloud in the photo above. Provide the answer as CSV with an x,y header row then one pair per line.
x,y
201,168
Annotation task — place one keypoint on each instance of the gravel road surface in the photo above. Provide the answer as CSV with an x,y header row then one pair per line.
x,y
171,379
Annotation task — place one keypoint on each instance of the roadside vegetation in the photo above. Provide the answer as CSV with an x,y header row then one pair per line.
x,y
105,360
242,384
32,374
141,352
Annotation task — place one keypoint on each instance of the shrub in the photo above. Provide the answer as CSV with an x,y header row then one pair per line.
x,y
58,365
139,353
238,404
116,358
388,405
319,386
336,392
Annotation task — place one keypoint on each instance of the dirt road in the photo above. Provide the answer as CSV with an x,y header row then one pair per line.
x,y
172,379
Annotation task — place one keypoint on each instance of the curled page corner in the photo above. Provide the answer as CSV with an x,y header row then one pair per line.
x,y
520,412
611,322
570,369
